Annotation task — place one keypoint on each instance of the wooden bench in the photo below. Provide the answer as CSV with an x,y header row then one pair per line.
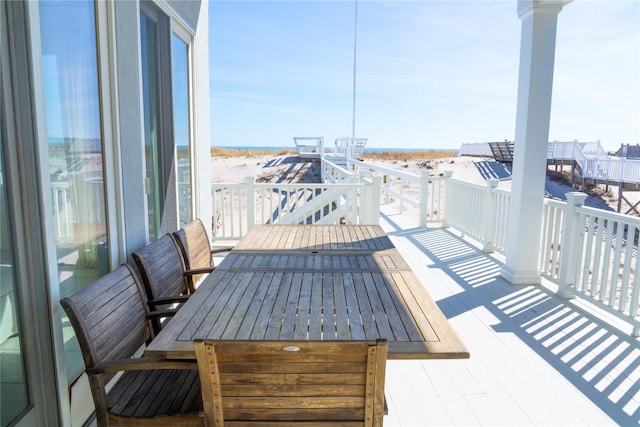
x,y
196,249
294,383
111,321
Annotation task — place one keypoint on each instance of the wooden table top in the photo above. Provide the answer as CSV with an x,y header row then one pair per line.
x,y
314,282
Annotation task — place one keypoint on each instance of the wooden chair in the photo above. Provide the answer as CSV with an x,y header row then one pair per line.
x,y
162,269
111,322
292,383
196,250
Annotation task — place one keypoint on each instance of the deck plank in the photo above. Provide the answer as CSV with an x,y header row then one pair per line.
x,y
301,330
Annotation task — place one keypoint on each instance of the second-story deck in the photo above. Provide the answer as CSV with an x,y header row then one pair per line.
x,y
313,147
536,358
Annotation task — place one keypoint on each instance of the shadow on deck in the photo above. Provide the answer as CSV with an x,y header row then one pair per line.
x,y
536,359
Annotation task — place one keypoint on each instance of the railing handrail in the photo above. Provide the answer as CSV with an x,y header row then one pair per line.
x,y
402,175
335,173
607,215
284,185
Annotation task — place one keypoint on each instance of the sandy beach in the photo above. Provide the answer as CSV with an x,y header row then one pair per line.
x,y
289,168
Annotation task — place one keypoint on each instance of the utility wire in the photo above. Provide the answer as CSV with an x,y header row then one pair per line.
x,y
355,45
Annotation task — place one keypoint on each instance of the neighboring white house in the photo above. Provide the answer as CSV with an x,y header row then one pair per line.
x,y
96,98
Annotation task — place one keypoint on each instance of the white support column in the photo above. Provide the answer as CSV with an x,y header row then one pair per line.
x,y
201,131
535,81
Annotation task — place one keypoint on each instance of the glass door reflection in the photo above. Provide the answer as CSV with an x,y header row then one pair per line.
x,y
13,385
181,120
75,151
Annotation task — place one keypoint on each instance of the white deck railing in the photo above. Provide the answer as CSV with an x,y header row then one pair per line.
x,y
352,148
333,173
479,211
428,197
593,254
589,253
309,146
595,164
237,207
62,213
580,248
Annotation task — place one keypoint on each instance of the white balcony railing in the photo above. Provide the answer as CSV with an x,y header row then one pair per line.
x,y
237,207
593,254
590,253
594,163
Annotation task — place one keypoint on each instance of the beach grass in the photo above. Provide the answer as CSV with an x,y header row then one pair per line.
x,y
242,152
367,155
406,156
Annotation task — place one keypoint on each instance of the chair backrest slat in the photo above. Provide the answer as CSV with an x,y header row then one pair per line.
x,y
162,269
268,381
195,247
194,244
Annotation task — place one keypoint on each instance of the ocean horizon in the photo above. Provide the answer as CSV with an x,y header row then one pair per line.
x,y
94,145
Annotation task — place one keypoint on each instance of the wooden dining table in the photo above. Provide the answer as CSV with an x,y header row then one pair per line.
x,y
316,283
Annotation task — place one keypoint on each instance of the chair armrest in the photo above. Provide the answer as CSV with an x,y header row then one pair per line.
x,y
139,364
195,271
220,249
168,300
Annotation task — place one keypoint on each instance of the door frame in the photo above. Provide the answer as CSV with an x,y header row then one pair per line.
x,y
166,152
21,159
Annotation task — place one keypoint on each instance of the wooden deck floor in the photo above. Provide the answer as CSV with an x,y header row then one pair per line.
x,y
536,359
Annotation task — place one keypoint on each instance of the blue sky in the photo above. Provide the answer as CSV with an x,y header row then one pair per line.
x,y
430,74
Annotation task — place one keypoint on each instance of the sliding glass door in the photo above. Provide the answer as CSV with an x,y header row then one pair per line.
x,y
28,388
75,151
152,121
167,122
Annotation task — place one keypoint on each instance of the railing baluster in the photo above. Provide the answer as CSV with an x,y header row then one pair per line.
x,y
633,305
626,270
615,266
587,254
544,240
605,265
595,271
